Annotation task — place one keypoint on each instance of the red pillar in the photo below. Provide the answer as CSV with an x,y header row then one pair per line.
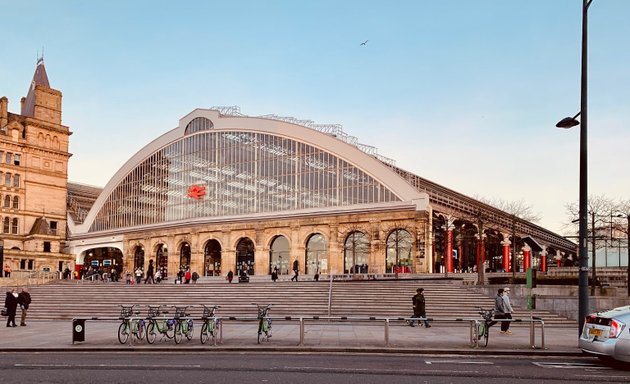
x,y
543,260
506,254
449,250
527,258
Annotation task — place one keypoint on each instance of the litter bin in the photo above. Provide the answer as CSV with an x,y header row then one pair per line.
x,y
78,330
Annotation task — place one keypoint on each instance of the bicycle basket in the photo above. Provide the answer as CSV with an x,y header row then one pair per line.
x,y
153,312
126,312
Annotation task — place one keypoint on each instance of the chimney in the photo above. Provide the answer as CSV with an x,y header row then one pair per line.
x,y
22,101
4,113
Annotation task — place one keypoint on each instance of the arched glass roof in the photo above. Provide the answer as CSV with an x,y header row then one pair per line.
x,y
228,173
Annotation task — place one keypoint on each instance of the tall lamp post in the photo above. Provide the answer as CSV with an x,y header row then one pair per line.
x,y
569,122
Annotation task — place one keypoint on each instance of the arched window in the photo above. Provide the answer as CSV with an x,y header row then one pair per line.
x,y
279,255
138,257
398,253
14,226
245,256
16,202
316,256
212,258
184,256
161,258
6,225
198,124
7,201
355,253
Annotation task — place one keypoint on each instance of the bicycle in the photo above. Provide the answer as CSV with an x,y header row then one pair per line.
x,y
482,328
264,322
211,325
129,325
183,326
165,327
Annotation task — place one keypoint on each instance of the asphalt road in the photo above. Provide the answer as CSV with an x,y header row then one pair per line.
x,y
213,367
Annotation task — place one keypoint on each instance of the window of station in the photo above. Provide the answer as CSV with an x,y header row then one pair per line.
x,y
16,159
14,226
9,158
16,202
7,179
53,227
6,227
16,181
22,263
46,246
7,201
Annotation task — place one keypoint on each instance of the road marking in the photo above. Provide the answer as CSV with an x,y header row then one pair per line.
x,y
458,362
106,366
570,365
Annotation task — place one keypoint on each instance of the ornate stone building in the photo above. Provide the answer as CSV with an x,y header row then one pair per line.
x,y
33,179
225,191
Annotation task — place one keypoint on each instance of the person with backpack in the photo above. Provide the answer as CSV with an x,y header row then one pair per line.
x,y
195,277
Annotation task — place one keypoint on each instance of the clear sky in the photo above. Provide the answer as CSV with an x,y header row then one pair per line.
x,y
463,93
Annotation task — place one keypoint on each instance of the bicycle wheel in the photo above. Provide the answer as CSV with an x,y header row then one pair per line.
x,y
151,333
204,335
189,330
139,333
123,332
170,329
178,333
486,334
260,326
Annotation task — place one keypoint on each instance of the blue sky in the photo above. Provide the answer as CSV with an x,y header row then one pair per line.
x,y
463,93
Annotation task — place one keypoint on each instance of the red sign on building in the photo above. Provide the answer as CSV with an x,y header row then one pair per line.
x,y
196,192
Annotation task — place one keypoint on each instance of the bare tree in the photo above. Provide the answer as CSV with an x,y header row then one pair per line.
x,y
519,208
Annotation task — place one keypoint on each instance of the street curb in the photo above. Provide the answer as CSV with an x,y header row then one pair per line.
x,y
314,350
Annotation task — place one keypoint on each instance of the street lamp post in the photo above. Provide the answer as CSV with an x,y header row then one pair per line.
x,y
583,200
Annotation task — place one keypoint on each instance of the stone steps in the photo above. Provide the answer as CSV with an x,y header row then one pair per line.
x,y
65,300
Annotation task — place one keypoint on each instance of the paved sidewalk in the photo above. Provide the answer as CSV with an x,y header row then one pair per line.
x,y
441,338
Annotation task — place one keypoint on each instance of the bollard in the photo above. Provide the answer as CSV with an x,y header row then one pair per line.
x,y
387,332
78,330
301,332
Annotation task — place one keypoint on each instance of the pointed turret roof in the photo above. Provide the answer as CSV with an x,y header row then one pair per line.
x,y
40,227
39,78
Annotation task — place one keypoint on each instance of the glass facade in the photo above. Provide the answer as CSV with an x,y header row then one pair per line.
x,y
398,256
356,253
227,173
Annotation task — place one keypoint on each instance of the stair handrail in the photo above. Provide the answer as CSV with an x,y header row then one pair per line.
x,y
330,287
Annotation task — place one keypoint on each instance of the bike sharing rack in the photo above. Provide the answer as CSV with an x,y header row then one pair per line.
x,y
78,325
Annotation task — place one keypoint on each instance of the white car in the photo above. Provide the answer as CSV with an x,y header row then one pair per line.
x,y
607,334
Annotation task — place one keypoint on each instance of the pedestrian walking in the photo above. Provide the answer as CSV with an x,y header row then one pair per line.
x,y
150,279
419,308
195,277
296,270
507,312
499,307
24,300
11,303
274,274
7,270
230,276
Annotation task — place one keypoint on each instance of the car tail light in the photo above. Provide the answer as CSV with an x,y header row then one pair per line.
x,y
615,329
591,319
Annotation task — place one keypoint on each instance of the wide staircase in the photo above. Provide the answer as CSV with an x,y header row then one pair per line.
x,y
445,299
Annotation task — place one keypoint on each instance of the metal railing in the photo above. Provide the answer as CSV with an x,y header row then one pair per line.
x,y
386,322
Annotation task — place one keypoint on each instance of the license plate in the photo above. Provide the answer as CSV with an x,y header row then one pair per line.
x,y
595,332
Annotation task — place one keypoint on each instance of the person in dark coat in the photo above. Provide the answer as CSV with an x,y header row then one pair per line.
x,y
11,303
230,276
24,300
419,308
296,270
150,279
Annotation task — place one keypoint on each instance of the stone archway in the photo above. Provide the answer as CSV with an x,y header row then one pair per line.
x,y
212,258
